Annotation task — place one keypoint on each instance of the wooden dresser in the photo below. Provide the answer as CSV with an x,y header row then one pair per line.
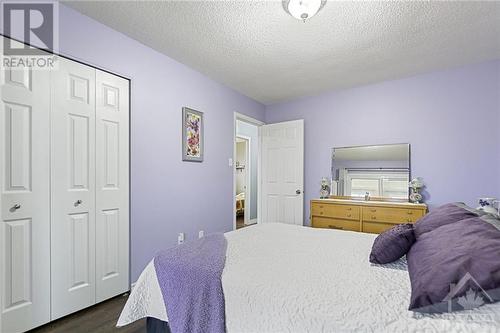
x,y
365,216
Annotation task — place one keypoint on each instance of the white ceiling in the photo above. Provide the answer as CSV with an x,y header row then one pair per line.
x,y
259,50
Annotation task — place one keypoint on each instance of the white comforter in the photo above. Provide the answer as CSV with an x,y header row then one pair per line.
x,y
284,278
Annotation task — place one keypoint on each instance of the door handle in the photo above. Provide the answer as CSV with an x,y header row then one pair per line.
x,y
78,202
298,191
15,207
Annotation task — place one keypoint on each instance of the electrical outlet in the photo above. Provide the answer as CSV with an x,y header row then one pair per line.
x,y
201,233
180,238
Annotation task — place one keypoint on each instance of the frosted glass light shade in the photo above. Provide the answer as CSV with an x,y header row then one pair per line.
x,y
303,9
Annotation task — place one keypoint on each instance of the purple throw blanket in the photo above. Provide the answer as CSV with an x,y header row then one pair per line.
x,y
190,281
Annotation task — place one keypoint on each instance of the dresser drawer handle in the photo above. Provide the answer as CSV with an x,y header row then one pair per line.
x,y
374,217
409,220
410,212
334,227
320,213
348,215
349,208
321,206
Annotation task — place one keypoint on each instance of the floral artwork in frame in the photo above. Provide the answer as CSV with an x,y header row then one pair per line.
x,y
192,135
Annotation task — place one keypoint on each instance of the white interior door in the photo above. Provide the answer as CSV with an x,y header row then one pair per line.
x,y
282,169
73,187
24,199
112,185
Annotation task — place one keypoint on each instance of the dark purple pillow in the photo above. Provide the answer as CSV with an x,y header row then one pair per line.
x,y
455,267
443,215
392,244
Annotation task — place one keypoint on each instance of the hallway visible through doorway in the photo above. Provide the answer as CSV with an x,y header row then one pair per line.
x,y
246,155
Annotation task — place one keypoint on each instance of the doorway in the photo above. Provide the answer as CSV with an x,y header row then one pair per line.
x,y
243,169
246,171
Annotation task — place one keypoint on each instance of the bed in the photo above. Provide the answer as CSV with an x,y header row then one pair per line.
x,y
240,204
286,278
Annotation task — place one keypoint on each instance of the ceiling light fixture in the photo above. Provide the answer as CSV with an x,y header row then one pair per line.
x,y
303,9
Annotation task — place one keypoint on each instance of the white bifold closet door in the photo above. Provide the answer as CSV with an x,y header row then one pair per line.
x,y
73,187
24,199
64,191
90,190
112,185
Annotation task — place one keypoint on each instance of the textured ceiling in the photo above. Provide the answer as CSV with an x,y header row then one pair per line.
x,y
262,52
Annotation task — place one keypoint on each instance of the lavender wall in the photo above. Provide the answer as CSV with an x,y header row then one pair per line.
x,y
451,119
168,196
457,149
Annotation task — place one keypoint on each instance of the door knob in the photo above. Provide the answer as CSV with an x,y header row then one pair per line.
x,y
78,202
298,192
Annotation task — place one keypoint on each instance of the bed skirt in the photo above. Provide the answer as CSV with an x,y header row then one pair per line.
x,y
154,325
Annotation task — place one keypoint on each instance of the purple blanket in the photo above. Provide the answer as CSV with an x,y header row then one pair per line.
x,y
190,281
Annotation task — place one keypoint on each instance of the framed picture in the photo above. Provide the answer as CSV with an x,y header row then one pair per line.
x,y
192,135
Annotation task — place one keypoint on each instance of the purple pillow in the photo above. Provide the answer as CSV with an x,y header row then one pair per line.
x,y
443,215
455,267
392,244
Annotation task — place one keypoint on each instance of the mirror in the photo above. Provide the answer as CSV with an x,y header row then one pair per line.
x,y
377,172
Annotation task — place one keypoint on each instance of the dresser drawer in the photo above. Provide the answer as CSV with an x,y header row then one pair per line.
x,y
391,215
376,227
328,223
344,212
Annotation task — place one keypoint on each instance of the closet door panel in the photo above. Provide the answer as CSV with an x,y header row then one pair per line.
x,y
24,199
73,187
112,185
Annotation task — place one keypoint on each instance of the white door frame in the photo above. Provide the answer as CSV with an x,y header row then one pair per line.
x,y
258,123
248,175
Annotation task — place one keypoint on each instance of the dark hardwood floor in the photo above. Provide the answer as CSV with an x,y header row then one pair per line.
x,y
100,318
240,221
